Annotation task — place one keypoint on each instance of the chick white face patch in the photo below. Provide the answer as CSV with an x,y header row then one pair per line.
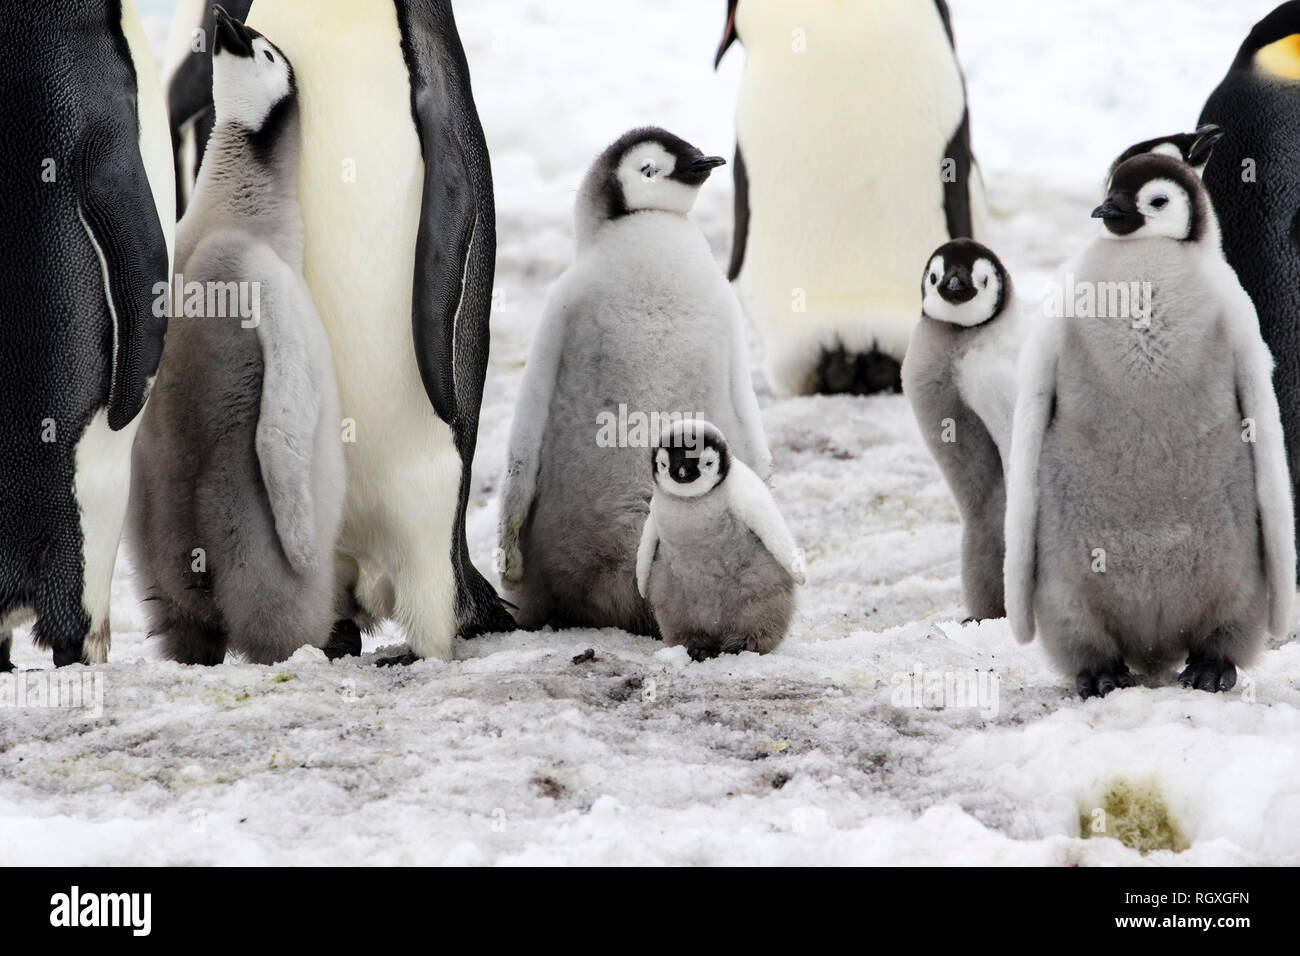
x,y
976,310
645,177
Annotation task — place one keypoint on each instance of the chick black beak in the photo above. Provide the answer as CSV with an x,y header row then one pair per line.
x,y
1112,208
231,35
1206,138
1120,213
697,170
957,288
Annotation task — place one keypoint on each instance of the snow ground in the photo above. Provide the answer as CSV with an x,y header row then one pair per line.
x,y
514,754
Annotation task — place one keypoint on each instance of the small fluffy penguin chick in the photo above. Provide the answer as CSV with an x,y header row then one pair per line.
x,y
960,378
717,563
1149,513
239,475
643,324
1194,149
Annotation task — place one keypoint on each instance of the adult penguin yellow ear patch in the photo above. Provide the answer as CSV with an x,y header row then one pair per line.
x,y
1281,58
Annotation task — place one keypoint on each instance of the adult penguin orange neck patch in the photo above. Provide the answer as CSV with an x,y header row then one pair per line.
x,y
1281,58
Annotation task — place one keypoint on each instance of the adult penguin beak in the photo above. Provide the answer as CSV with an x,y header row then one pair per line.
x,y
231,35
729,34
1206,138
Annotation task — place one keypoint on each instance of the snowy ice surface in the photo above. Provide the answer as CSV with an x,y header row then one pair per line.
x,y
514,754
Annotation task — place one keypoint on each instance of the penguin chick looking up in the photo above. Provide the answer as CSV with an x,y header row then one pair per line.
x,y
239,473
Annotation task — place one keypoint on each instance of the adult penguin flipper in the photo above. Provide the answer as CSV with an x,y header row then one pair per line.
x,y
455,250
116,203
729,34
455,261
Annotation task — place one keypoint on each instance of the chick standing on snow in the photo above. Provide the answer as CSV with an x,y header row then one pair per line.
x,y
643,322
1149,513
239,484
960,377
716,561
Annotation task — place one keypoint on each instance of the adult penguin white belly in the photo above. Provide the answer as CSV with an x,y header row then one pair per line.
x,y
853,164
399,252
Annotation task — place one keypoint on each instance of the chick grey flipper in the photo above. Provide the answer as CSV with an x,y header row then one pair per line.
x,y
116,204
983,504
189,99
6,649
455,254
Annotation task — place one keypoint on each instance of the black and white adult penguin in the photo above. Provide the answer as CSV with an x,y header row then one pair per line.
x,y
399,251
188,73
1254,182
85,256
853,163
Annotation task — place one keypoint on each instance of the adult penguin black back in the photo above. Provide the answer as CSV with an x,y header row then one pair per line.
x,y
1254,181
399,252
85,245
853,163
189,87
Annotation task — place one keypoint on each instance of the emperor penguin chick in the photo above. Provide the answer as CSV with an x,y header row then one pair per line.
x,y
960,377
1193,148
239,464
1149,512
642,325
716,561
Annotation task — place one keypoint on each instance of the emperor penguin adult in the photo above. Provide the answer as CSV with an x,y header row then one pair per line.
x,y
399,251
960,379
188,80
640,331
1254,182
1149,511
853,162
85,262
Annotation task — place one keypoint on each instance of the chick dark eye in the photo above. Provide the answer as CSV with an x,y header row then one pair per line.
x,y
270,57
934,279
1160,202
648,169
